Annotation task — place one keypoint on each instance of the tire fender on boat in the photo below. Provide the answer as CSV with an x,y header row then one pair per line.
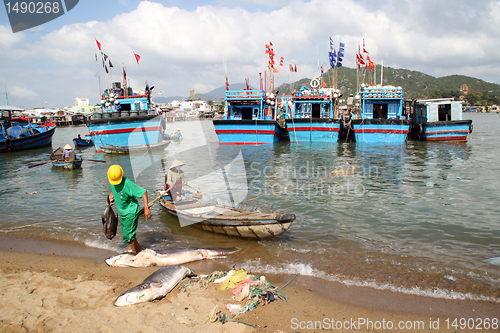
x,y
8,142
420,129
314,83
470,128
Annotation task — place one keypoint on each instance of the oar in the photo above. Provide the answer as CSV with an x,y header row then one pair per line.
x,y
149,205
86,159
35,165
197,190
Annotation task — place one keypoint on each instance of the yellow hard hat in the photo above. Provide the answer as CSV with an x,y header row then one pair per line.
x,y
115,174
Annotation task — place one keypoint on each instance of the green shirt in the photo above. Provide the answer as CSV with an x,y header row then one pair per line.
x,y
126,194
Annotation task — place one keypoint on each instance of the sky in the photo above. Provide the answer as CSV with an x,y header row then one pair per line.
x,y
189,45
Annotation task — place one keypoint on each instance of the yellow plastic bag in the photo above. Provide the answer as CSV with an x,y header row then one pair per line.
x,y
234,280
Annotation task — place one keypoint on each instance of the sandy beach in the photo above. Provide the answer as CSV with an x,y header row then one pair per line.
x,y
55,287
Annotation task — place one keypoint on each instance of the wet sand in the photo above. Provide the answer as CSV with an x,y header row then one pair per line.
x,y
55,286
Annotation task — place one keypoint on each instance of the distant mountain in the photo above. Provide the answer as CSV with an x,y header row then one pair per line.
x,y
217,95
414,84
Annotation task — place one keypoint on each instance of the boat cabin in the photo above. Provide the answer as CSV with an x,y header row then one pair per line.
x,y
437,109
313,103
382,102
248,105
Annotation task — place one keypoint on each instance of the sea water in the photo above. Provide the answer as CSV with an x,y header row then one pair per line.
x,y
419,217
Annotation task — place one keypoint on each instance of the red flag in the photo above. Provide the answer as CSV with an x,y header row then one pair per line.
x,y
98,44
137,57
270,43
324,85
295,68
281,61
227,84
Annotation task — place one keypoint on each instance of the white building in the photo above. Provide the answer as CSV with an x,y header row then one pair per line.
x,y
81,101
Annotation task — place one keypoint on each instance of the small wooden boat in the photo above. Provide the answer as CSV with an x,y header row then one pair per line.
x,y
174,136
79,142
112,149
232,219
74,161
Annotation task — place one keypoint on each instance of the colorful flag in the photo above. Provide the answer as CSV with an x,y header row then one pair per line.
x,y
275,70
333,58
281,61
331,43
137,57
227,83
98,44
324,85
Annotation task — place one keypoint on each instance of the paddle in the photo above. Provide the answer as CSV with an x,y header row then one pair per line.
x,y
149,205
86,159
197,190
35,165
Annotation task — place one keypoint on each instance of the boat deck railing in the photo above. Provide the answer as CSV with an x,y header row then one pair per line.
x,y
234,95
387,92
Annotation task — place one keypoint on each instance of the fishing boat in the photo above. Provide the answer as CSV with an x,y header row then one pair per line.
x,y
112,149
16,136
85,142
312,116
174,136
73,162
228,218
126,120
382,119
439,120
249,118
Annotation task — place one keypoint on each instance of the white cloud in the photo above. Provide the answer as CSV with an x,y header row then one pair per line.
x,y
183,50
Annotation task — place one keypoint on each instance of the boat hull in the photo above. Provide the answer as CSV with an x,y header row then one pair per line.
x,y
243,132
125,132
380,130
248,221
39,140
313,130
453,130
83,142
130,149
68,165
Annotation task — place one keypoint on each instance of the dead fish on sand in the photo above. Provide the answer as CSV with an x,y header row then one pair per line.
x,y
167,256
155,286
109,222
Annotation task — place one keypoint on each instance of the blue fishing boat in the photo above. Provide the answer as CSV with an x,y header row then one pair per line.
x,y
85,142
127,120
312,116
15,137
250,118
382,119
439,120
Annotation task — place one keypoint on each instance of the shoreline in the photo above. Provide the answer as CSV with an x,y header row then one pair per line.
x,y
36,270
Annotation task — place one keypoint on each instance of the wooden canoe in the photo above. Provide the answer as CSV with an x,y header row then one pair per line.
x,y
232,219
112,149
74,161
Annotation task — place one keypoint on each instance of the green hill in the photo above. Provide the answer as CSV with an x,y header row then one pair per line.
x,y
414,83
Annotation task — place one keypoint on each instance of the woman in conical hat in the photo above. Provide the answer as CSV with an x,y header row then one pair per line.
x,y
67,150
174,179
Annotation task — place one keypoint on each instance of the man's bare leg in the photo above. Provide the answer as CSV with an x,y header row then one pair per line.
x,y
135,246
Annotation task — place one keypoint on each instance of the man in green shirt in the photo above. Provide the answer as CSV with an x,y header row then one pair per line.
x,y
125,192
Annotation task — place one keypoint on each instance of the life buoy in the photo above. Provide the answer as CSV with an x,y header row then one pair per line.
x,y
314,83
470,128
